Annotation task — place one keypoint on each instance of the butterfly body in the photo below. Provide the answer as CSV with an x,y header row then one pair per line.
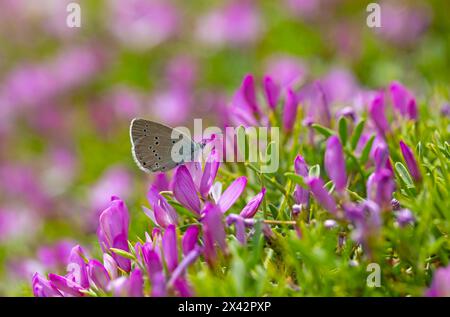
x,y
159,148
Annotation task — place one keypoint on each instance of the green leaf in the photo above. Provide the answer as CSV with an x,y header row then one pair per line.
x,y
314,171
123,253
404,174
343,130
357,134
366,150
296,179
323,130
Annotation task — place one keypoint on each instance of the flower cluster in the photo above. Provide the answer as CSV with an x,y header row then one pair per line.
x,y
354,200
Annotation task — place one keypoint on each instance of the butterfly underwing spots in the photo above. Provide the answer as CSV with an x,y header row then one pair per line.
x,y
152,143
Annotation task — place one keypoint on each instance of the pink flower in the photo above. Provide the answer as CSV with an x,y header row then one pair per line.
x,y
301,195
316,186
98,275
113,231
43,288
272,92
285,71
163,214
143,24
440,286
238,23
188,184
115,181
403,101
290,110
335,163
411,162
252,206
213,232
377,114
380,188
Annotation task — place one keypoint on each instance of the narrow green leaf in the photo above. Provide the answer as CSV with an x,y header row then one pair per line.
x,y
296,179
366,150
123,253
343,130
357,134
314,171
323,130
404,174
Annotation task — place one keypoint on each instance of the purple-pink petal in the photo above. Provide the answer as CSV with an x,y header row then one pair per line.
x,y
209,173
271,91
161,217
248,92
170,248
213,231
98,274
190,239
335,162
232,193
240,230
321,194
401,97
300,166
155,198
184,189
136,284
290,110
43,288
77,268
159,285
65,285
252,206
411,162
110,265
440,286
377,114
152,260
301,195
380,187
113,231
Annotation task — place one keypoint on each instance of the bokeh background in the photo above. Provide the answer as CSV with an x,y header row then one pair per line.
x,y
67,95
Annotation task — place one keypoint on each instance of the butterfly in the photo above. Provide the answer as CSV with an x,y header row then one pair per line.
x,y
159,148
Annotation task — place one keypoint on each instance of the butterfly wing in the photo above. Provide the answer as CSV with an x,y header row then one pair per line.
x,y
152,145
